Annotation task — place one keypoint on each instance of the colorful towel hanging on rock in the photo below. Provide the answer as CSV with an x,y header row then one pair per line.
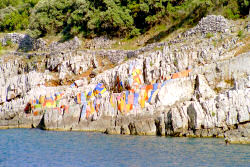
x,y
131,99
136,99
181,74
84,109
99,89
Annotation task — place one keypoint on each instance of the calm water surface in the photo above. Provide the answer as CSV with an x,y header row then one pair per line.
x,y
32,147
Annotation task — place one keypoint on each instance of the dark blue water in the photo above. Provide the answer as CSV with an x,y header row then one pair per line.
x,y
32,147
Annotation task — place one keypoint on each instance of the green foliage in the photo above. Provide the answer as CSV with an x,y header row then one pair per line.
x,y
91,18
126,59
81,16
215,43
49,16
233,9
14,14
8,43
244,6
135,32
151,64
14,21
213,114
17,3
209,35
240,34
231,15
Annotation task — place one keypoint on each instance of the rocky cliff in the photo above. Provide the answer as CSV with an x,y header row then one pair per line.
x,y
196,85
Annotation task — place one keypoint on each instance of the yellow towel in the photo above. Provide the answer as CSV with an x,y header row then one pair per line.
x,y
41,99
92,108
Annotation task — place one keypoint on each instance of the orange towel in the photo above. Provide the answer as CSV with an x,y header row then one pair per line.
x,y
35,113
176,75
148,88
79,98
132,90
66,109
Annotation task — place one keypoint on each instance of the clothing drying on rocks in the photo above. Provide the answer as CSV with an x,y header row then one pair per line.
x,y
126,101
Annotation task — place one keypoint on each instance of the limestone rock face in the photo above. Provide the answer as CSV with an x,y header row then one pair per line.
x,y
176,91
176,121
71,63
196,115
18,85
202,88
59,120
211,100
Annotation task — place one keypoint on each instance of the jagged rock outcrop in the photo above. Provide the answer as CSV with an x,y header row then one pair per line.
x,y
24,41
99,43
210,24
27,43
17,86
71,45
71,62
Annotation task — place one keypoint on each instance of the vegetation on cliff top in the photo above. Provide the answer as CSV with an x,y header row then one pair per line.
x,y
90,18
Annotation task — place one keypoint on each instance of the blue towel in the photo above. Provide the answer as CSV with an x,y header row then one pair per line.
x,y
127,93
72,85
90,93
155,87
83,98
98,87
84,107
136,97
94,103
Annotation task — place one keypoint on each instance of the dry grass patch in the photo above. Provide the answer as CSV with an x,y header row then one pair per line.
x,y
245,48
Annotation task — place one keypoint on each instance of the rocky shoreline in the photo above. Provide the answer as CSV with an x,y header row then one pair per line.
x,y
212,99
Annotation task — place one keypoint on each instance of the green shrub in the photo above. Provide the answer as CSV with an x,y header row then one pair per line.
x,y
215,43
14,14
240,34
135,32
209,35
151,64
125,18
231,15
9,43
213,114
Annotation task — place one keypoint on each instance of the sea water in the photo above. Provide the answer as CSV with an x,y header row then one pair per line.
x,y
33,147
